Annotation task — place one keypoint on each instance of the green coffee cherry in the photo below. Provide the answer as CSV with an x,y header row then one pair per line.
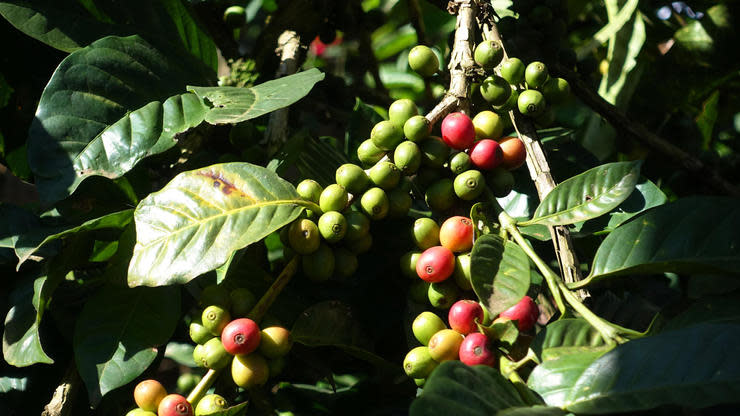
x,y
187,382
460,162
469,185
198,333
352,178
407,157
235,16
423,61
512,70
418,363
417,128
385,175
434,152
531,103
310,190
488,54
368,153
345,263
500,181
304,236
425,325
198,352
242,302
401,110
211,404
333,198
375,204
495,90
510,104
361,245
399,203
215,318
319,265
408,264
443,294
461,275
214,295
332,226
420,382
418,291
440,196
215,355
386,135
425,233
535,74
358,225
556,90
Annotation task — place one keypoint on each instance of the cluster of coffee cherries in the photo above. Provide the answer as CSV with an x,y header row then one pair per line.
x,y
152,399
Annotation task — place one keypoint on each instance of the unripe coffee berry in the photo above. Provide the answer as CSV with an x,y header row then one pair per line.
x,y
249,370
531,103
345,262
510,104
442,295
495,90
304,236
174,405
386,135
241,336
140,412
488,54
500,181
242,302
352,178
486,154
417,128
423,61
399,203
434,152
215,318
458,131
425,233
333,198
407,157
198,333
461,275
469,185
275,342
460,162
361,245
358,225
214,355
214,295
556,90
456,234
535,74
512,70
385,175
445,345
425,325
148,394
513,152
375,204
440,196
418,363
488,125
408,264
211,404
319,265
435,264
310,190
401,111
332,226
368,153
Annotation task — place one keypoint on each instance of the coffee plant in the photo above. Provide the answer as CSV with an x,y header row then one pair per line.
x,y
381,207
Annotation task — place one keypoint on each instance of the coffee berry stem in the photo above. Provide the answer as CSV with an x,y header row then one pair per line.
x,y
508,370
202,387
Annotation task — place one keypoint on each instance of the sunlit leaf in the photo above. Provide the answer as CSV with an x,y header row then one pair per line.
x,y
499,272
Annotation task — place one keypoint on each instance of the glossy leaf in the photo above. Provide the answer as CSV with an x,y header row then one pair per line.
x,y
588,195
118,334
108,106
554,379
455,388
233,105
714,309
8,384
567,336
181,353
21,341
696,234
197,220
499,272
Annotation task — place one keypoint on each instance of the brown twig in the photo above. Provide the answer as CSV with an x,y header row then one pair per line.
x,y
64,395
289,48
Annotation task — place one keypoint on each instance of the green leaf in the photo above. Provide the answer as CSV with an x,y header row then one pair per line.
x,y
8,384
706,120
118,333
645,196
21,341
499,272
16,221
588,195
531,411
232,411
458,389
691,234
319,160
394,42
361,121
233,105
693,367
181,353
714,309
554,379
197,220
567,336
108,106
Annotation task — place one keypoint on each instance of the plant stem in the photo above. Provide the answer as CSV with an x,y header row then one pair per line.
x,y
508,370
309,205
200,390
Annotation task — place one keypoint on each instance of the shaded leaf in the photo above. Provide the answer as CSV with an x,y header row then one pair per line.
x,y
21,341
531,411
319,161
118,333
197,220
16,221
181,353
8,384
715,309
588,195
499,272
567,336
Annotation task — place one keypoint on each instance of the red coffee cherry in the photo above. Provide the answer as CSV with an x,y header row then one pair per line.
x,y
435,264
486,154
463,314
456,234
241,336
514,154
458,131
148,394
525,312
475,350
174,405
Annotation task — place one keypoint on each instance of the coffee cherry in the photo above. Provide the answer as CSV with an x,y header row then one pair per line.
x,y
456,234
368,153
215,355
148,394
304,236
425,233
332,226
375,204
399,203
525,312
352,178
401,110
531,103
556,90
345,263
458,131
440,196
488,54
319,265
461,275
469,185
385,175
434,152
510,104
358,225
275,341
235,16
418,363
495,90
140,412
423,61
198,353
425,325
408,264
361,245
333,198
215,318
386,135
500,181
241,336
187,381
407,157
488,125
211,404
310,190
459,163
513,152
512,70
486,154
249,370
442,295
242,302
174,405
463,316
418,292
435,264
476,350
444,345
214,295
535,74
198,333
417,128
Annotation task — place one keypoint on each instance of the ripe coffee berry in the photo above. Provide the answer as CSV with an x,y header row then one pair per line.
x,y
435,264
525,313
456,234
513,152
241,336
445,345
458,131
174,405
486,154
475,350
463,315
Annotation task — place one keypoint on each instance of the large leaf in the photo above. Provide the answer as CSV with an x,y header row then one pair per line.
x,y
714,309
13,384
233,105
691,234
588,195
108,106
567,336
72,24
499,272
118,333
554,379
197,220
21,341
693,367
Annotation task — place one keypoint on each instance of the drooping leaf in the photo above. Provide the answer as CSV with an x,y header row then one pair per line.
x,y
567,336
108,106
691,234
554,379
499,272
197,220
21,341
118,333
588,195
8,384
233,105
